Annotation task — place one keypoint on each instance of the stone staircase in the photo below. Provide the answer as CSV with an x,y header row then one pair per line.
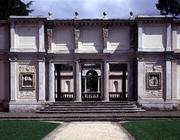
x,y
89,110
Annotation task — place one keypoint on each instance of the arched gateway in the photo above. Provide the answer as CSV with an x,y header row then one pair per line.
x,y
79,60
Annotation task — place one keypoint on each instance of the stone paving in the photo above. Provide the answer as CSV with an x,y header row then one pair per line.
x,y
90,131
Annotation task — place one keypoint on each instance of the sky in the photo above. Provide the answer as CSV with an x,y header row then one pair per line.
x,y
93,8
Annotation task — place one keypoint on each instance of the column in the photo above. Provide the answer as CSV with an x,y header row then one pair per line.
x,y
13,78
77,82
168,80
51,82
42,76
106,81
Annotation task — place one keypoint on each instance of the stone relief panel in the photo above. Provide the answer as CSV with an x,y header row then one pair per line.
x,y
27,81
154,76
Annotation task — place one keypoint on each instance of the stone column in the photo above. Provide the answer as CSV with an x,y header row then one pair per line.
x,y
13,77
168,80
106,81
51,82
42,76
77,82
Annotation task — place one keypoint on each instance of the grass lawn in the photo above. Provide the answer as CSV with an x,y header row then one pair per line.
x,y
24,130
154,129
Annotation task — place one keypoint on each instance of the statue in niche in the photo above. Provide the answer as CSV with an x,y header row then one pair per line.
x,y
27,81
153,81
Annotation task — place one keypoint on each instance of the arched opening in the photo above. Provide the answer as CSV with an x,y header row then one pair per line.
x,y
92,81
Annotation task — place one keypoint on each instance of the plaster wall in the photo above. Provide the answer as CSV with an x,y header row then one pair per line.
x,y
153,36
63,39
90,39
27,37
119,38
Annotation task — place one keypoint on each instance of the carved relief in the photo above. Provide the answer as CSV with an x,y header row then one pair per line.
x,y
105,36
27,81
77,36
153,81
49,35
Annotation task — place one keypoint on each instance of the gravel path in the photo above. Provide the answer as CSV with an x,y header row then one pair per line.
x,y
89,131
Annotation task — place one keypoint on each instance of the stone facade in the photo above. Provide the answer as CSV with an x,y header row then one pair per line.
x,y
44,60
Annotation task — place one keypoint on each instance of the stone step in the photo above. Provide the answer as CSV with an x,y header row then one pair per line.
x,y
92,103
86,108
90,106
79,109
90,111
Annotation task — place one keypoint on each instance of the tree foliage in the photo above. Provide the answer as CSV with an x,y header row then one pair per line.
x,y
167,7
14,7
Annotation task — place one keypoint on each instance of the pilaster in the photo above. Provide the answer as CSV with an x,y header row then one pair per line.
x,y
140,79
168,80
77,81
42,91
51,82
168,37
140,32
49,36
13,77
106,81
12,37
105,33
41,37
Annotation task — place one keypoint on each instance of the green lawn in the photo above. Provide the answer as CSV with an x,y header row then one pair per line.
x,y
154,129
24,130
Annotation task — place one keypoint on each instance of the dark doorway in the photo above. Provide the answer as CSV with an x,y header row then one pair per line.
x,y
118,82
64,82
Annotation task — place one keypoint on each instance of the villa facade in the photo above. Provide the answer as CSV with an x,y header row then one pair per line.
x,y
102,60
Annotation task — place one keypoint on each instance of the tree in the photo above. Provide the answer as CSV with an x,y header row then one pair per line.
x,y
169,7
14,7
